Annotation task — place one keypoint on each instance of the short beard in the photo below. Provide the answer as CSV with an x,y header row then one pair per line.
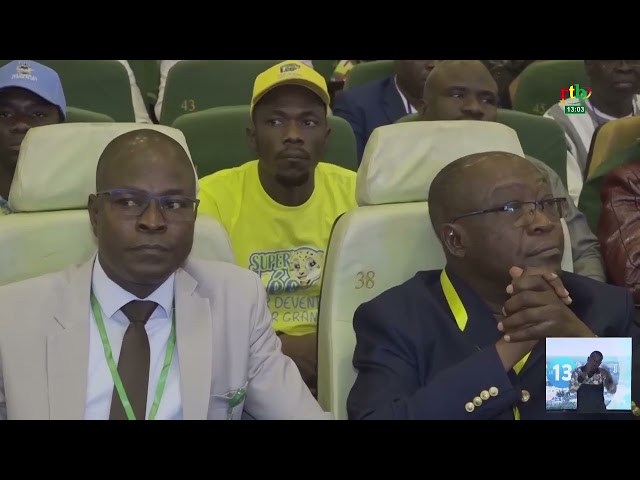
x,y
292,181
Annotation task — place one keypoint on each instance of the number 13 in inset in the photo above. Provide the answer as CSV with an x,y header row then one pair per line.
x,y
566,372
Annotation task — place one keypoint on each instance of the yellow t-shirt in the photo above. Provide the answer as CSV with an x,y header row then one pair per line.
x,y
284,245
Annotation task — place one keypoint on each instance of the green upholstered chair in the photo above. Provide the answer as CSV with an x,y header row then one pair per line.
x,y
540,83
196,85
368,72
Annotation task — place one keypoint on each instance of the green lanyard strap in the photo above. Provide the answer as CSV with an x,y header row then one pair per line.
x,y
108,353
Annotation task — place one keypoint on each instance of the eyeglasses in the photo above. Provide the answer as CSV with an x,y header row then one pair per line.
x,y
523,213
133,203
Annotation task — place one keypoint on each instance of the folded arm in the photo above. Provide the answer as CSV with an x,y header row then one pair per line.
x,y
576,380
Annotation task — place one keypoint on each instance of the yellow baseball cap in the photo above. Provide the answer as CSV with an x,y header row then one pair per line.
x,y
289,72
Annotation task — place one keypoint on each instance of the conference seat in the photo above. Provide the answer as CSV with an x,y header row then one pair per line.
x,y
368,72
541,138
195,85
55,175
79,115
540,83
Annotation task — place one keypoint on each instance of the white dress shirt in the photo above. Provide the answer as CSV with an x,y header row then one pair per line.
x,y
407,106
100,385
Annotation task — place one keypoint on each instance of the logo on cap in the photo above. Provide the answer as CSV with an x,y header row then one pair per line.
x,y
289,67
24,68
25,72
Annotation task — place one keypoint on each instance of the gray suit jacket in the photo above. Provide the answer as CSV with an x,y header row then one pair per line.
x,y
225,341
587,258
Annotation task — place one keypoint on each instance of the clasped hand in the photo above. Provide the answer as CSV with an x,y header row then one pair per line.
x,y
538,308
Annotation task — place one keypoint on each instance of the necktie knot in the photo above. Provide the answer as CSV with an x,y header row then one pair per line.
x,y
139,311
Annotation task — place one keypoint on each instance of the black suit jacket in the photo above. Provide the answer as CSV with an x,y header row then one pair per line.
x,y
368,107
414,362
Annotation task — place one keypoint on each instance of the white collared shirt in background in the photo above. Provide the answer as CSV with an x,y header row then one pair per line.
x,y
139,103
407,106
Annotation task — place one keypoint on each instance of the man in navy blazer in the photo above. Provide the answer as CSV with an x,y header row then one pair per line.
x,y
468,342
379,103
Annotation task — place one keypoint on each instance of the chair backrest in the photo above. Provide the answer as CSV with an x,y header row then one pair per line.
x,y
100,86
78,115
54,177
540,137
217,139
368,72
196,85
389,237
610,139
325,68
540,84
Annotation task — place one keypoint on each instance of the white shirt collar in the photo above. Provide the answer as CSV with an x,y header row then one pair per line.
x,y
635,103
112,297
407,106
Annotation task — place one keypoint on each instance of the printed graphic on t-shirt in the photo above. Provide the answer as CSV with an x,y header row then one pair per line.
x,y
292,279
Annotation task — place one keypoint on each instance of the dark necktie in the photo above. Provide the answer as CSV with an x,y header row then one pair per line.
x,y
133,363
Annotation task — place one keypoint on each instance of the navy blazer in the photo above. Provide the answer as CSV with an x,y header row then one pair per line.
x,y
415,363
368,107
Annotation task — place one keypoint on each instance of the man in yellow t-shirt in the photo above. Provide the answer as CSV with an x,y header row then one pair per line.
x,y
279,210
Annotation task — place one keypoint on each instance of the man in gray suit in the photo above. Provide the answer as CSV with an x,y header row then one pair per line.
x,y
142,331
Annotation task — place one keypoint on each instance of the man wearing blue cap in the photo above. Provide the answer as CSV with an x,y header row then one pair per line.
x,y
31,95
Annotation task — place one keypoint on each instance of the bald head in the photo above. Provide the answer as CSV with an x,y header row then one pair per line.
x,y
145,209
493,211
464,185
141,150
460,90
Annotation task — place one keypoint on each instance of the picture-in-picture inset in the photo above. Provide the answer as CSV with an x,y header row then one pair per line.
x,y
588,375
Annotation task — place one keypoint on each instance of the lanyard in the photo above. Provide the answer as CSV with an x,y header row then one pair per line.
x,y
461,317
108,353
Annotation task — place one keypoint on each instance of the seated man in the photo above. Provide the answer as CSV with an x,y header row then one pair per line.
x,y
465,90
279,209
141,330
468,341
615,85
370,106
30,96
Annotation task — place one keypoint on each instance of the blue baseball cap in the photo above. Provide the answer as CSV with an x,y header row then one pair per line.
x,y
37,78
